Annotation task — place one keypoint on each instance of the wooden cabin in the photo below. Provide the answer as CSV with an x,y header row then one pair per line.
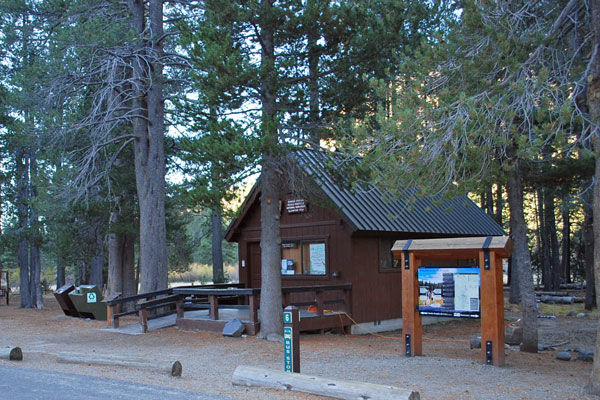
x,y
349,240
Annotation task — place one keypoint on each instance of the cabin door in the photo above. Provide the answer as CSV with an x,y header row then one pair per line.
x,y
254,265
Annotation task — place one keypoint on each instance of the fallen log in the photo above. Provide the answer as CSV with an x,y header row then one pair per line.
x,y
11,353
338,389
172,368
572,286
557,299
544,293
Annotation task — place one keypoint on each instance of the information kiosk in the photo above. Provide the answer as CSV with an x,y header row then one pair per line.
x,y
459,285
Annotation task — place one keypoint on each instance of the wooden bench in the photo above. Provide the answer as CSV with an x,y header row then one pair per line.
x,y
142,308
115,302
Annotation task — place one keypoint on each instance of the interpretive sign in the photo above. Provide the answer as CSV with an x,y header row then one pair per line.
x,y
449,291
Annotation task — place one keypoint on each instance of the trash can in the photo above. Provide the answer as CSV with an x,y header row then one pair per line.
x,y
88,302
64,301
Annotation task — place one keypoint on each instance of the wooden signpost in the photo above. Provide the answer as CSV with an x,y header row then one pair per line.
x,y
489,251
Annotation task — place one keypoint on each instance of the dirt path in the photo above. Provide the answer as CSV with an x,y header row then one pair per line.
x,y
448,369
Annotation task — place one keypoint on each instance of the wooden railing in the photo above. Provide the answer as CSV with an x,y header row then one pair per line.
x,y
115,303
253,297
320,302
193,297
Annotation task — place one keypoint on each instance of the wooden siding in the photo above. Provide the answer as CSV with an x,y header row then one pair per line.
x,y
376,294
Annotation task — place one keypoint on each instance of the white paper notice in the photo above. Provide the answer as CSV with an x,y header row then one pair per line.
x,y
317,259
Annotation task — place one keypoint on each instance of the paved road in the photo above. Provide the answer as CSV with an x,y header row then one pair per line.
x,y
31,384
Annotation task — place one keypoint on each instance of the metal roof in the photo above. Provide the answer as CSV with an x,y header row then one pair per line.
x,y
367,207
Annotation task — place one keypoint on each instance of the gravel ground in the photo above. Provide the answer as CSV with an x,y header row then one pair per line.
x,y
448,369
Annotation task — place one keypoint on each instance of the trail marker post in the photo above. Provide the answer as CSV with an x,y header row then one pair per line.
x,y
291,339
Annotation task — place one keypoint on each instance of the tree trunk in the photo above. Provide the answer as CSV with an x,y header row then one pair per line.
x,y
556,275
35,266
60,273
544,243
565,263
115,263
593,102
522,260
271,325
588,242
313,71
149,147
270,244
514,296
22,183
121,263
84,278
489,201
97,262
127,245
499,205
217,242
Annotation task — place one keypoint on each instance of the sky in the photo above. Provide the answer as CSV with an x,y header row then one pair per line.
x,y
435,274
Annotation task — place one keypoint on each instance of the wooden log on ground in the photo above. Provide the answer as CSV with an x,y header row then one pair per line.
x,y
557,299
11,353
172,368
578,299
562,293
572,285
338,389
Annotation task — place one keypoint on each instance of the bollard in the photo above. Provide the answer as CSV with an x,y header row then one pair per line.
x,y
291,339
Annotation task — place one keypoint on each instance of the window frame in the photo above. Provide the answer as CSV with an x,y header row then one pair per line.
x,y
300,241
396,267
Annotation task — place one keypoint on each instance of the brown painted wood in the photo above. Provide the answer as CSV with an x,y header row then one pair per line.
x,y
320,302
110,319
327,321
214,306
492,308
253,302
411,319
179,307
143,314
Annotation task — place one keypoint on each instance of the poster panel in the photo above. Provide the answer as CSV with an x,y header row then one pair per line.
x,y
317,259
449,291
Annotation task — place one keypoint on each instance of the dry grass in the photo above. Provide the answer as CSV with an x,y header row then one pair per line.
x,y
202,274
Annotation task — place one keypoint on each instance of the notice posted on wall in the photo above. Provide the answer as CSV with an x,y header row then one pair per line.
x,y
317,259
449,291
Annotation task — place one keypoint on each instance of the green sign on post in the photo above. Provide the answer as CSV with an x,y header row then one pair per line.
x,y
288,355
291,340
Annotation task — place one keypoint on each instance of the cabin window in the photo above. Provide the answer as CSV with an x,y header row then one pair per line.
x,y
304,258
386,258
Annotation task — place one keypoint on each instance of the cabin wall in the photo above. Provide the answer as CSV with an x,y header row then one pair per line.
x,y
317,223
376,293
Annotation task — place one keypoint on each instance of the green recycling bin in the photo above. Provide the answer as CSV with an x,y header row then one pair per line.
x,y
87,299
